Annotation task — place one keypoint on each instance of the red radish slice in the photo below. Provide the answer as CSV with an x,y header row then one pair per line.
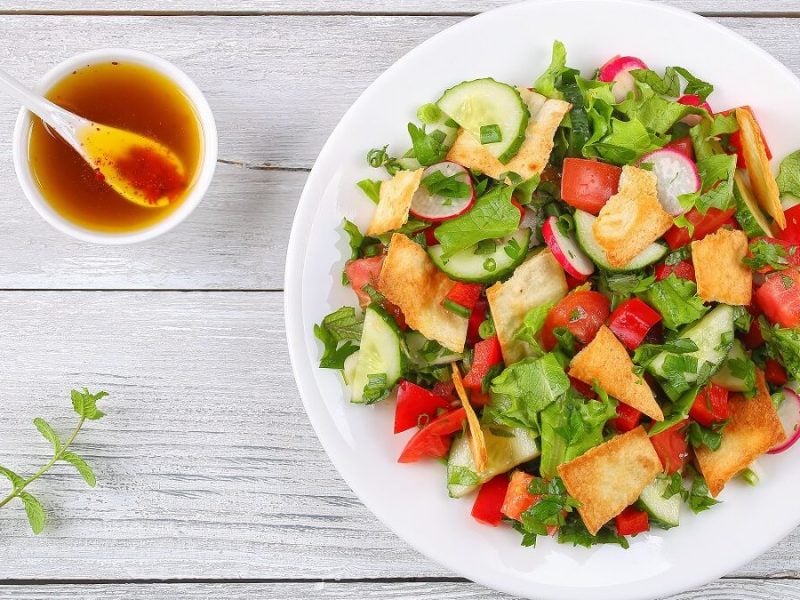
x,y
693,100
617,70
436,208
676,174
566,250
789,414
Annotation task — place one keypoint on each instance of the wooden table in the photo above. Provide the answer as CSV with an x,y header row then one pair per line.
x,y
211,481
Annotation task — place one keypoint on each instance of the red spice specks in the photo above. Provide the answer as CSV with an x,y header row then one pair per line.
x,y
153,175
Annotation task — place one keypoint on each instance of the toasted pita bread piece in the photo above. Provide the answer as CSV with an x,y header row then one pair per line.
x,y
611,476
537,281
632,219
606,361
721,276
394,202
753,428
532,157
410,280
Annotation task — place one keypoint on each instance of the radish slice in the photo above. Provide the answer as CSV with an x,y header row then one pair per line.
x,y
676,174
789,414
693,100
788,201
617,70
566,250
435,207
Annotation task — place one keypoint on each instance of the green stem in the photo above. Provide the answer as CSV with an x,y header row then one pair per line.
x,y
56,457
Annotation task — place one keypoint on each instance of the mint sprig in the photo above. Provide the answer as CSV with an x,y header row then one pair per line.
x,y
85,405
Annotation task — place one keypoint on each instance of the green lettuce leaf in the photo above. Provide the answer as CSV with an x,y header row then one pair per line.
x,y
546,82
783,345
789,175
676,300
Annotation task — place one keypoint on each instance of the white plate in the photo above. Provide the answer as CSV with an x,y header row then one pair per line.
x,y
513,44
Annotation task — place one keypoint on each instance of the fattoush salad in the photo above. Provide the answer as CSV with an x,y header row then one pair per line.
x,y
583,298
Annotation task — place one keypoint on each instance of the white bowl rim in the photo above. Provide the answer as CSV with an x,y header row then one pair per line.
x,y
205,171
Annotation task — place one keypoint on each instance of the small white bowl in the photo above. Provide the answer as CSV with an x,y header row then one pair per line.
x,y
207,163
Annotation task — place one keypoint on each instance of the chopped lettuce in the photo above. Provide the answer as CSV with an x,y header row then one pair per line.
x,y
676,300
783,345
546,83
532,324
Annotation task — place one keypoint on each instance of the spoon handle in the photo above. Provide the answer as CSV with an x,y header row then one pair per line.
x,y
50,113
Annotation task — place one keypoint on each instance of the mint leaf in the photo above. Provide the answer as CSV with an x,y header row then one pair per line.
x,y
344,324
48,433
35,512
789,175
85,404
17,482
439,184
461,476
574,531
84,469
355,238
710,437
333,356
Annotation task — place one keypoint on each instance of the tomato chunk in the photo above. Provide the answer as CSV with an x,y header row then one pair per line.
x,y
627,418
672,447
416,405
779,297
582,313
518,499
683,145
477,317
584,389
677,237
588,184
774,372
710,406
792,232
684,270
632,521
465,294
486,355
433,440
631,321
363,272
489,501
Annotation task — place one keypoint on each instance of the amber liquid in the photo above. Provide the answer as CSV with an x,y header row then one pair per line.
x,y
122,95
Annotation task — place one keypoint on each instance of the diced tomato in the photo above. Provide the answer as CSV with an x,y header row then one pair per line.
x,y
683,145
477,317
582,313
363,272
478,399
572,283
416,406
487,354
465,294
792,232
694,100
779,297
588,184
518,499
631,321
519,208
672,447
736,142
684,269
632,521
677,237
395,312
433,440
753,338
774,372
584,389
430,238
790,252
627,418
444,388
710,406
489,501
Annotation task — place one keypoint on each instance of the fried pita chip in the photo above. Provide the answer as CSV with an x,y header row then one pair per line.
x,y
477,442
611,476
395,200
762,180
537,281
410,280
721,275
632,219
533,154
753,428
606,361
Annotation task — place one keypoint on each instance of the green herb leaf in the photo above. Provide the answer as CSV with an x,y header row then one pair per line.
x,y
461,476
765,254
621,286
789,175
333,355
546,83
428,148
17,482
379,157
48,433
668,85
355,238
710,437
491,134
783,345
532,324
574,531
85,404
34,510
676,300
694,85
372,188
448,187
84,469
699,497
344,324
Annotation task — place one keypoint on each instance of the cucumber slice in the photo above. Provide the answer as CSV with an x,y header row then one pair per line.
x,y
507,448
423,352
349,370
713,335
725,377
483,103
664,511
466,265
586,240
753,221
379,353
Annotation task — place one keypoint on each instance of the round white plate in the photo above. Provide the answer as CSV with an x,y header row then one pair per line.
x,y
512,44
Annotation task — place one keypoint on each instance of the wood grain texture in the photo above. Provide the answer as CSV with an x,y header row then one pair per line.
x,y
726,589
207,465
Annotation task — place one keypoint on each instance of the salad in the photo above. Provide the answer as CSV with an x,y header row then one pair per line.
x,y
583,298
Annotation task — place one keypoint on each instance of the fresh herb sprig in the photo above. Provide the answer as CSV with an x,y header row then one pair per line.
x,y
85,405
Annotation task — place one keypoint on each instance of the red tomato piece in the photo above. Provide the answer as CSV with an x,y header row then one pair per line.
x,y
684,270
694,100
362,272
631,321
415,403
710,406
588,184
683,145
672,447
779,297
489,501
677,237
433,440
627,418
465,294
792,232
581,312
572,283
444,388
519,208
736,142
774,372
430,238
477,317
518,499
753,338
487,354
632,521
584,389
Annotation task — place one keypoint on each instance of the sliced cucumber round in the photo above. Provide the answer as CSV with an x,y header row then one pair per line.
x,y
491,110
586,240
753,221
483,263
423,352
730,377
664,511
380,357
